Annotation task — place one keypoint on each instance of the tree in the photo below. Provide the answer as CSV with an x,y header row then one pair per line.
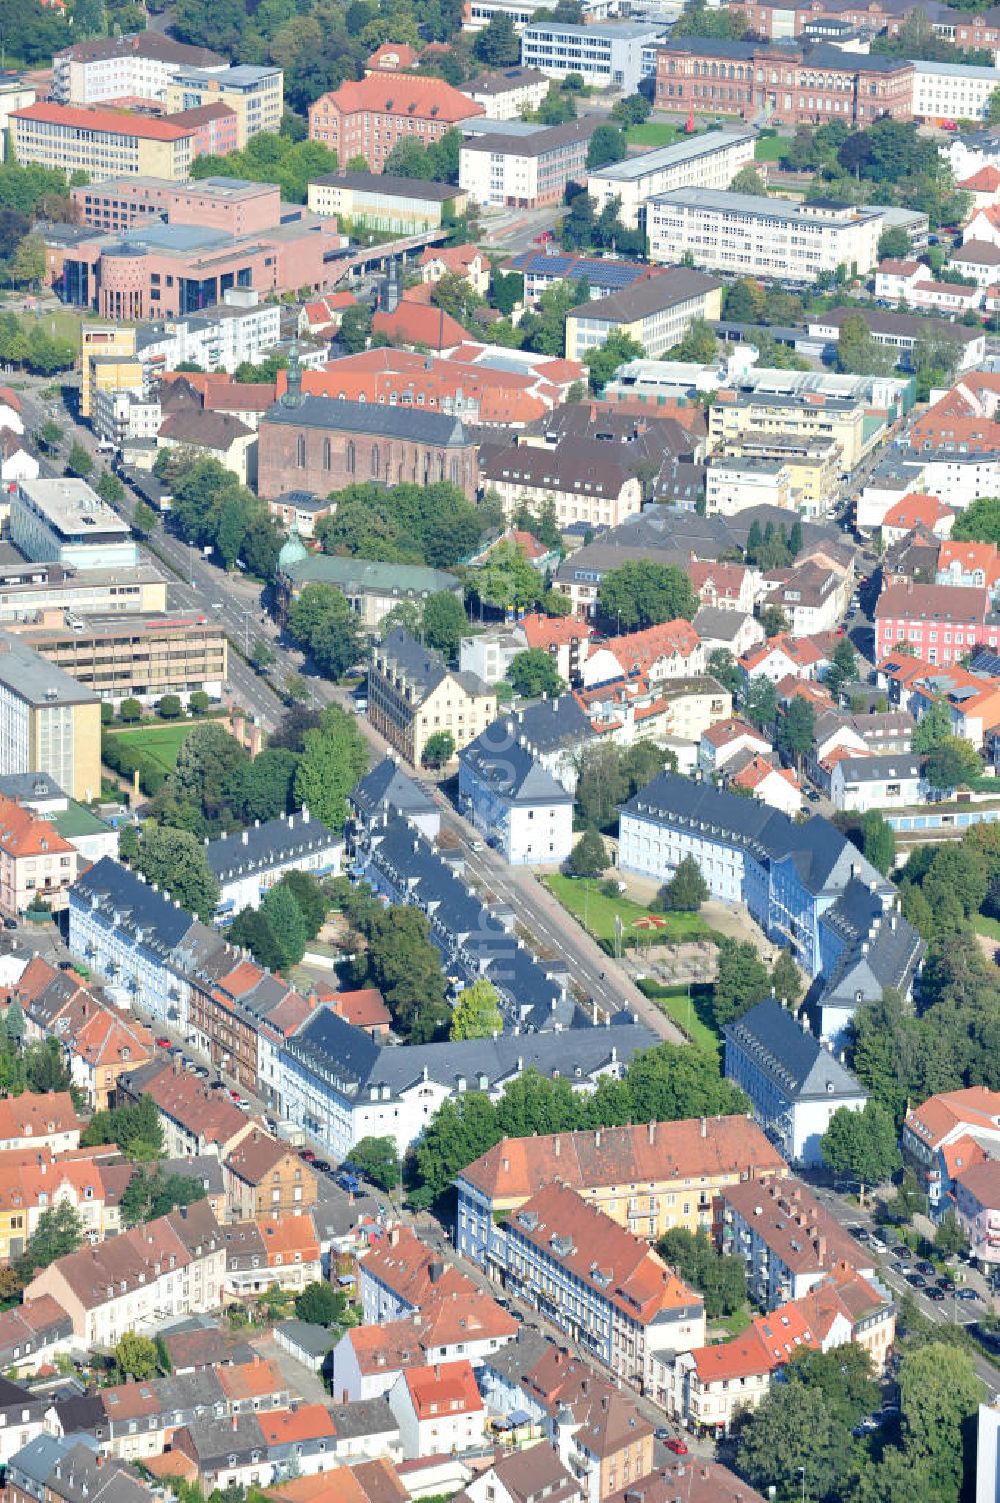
x,y
137,1130
604,360
979,522
794,1438
507,579
933,728
796,729
252,930
405,965
498,45
198,702
699,344
843,669
287,922
79,462
939,1395
175,861
169,707
355,329
310,897
687,888
28,264
786,978
949,1238
334,758
136,1357
607,145
439,748
633,109
130,711
724,668
992,116
59,1231
263,789
952,763
205,762
477,1014
323,622
773,620
862,1144
321,1304
879,845
720,1277
143,517
376,1160
14,1021
49,435
742,981
749,180
643,593
858,353
149,1195
533,673
588,858
444,622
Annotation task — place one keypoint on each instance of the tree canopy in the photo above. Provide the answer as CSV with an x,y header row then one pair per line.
x,y
644,593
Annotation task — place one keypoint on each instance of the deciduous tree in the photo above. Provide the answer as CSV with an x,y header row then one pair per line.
x,y
476,1014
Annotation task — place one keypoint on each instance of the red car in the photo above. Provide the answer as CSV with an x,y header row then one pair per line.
x,y
163,1043
677,1446
544,238
307,1154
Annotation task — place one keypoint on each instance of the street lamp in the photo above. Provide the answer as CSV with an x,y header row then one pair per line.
x,y
802,1473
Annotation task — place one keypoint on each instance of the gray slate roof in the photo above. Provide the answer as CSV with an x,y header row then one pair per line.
x,y
502,765
793,1059
551,725
388,787
268,845
150,916
435,428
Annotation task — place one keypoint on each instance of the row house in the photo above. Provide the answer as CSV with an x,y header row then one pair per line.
x,y
439,1410
170,1267
99,1041
668,651
368,1359
940,624
195,1119
65,1469
251,1450
32,1182
710,1387
264,1177
976,1192
599,1283
271,1251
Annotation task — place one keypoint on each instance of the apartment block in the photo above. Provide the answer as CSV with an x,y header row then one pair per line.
x,y
65,521
788,1239
412,695
952,91
104,143
134,67
711,160
369,118
607,56
767,237
901,332
255,95
647,1178
507,95
657,312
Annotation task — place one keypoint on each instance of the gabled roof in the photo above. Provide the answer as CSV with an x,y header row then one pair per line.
x,y
413,96
976,1109
443,1391
388,787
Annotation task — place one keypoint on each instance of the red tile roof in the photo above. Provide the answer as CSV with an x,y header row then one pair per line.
x,y
117,121
410,95
552,631
414,323
915,509
976,1108
24,833
447,1388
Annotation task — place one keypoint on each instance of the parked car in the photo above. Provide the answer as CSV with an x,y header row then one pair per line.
x,y
307,1154
925,1267
935,1293
321,1165
916,1280
678,1446
967,1294
163,1043
902,1251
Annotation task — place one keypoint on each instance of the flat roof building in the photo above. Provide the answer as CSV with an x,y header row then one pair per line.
x,y
139,66
379,201
750,235
707,161
608,56
256,95
525,169
65,521
48,722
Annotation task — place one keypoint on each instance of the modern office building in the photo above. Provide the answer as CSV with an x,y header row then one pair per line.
x,y
134,656
139,66
48,722
255,95
26,589
65,521
952,91
766,237
607,56
710,160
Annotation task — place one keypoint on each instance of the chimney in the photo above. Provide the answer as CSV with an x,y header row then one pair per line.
x,y
821,1247
703,1127
652,1133
556,1145
177,1064
99,1459
236,1422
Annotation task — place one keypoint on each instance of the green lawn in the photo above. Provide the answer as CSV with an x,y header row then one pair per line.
x,y
161,742
652,133
694,1016
597,913
989,927
770,148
